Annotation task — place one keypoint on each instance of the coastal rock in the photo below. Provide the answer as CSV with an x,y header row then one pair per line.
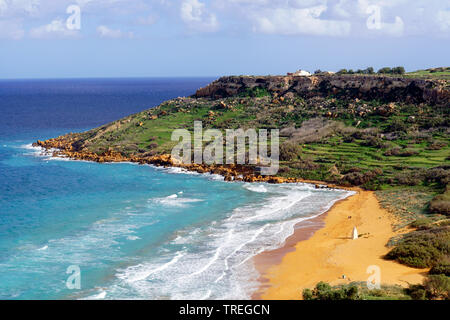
x,y
389,89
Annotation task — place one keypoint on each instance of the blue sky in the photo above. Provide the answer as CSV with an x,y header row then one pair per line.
x,y
144,38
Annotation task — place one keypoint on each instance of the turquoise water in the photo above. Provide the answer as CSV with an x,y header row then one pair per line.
x,y
135,232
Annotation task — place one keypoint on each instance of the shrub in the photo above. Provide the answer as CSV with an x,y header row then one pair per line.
x,y
416,292
409,178
323,291
369,70
306,164
422,224
255,92
433,287
289,151
397,125
385,70
438,286
439,175
308,294
441,203
422,249
372,141
442,267
400,152
436,145
398,70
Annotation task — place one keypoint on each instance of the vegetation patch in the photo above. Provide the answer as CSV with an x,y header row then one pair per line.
x,y
423,248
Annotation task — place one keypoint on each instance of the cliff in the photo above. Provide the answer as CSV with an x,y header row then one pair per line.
x,y
387,89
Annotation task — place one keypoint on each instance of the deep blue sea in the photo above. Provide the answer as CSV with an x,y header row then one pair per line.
x,y
134,232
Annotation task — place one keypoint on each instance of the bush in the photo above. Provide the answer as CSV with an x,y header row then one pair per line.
x,y
422,224
436,145
433,287
323,291
442,267
422,249
441,203
439,175
400,152
397,125
416,292
438,286
369,70
371,141
409,178
398,70
385,70
289,151
361,178
255,92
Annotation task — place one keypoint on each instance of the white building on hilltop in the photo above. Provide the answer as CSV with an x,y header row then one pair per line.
x,y
300,73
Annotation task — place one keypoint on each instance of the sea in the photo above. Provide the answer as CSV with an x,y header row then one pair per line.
x,y
83,230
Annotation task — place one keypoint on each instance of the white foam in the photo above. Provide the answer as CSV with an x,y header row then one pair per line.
x,y
255,187
133,238
142,272
215,257
216,261
174,201
100,296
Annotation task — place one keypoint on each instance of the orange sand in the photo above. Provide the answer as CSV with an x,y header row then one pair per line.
x,y
331,253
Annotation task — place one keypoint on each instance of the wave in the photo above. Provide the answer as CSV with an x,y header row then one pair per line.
x,y
216,260
174,200
142,272
255,187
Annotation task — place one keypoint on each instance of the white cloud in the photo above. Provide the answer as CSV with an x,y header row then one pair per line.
x,y
195,15
16,7
147,21
286,17
443,18
11,29
106,32
3,7
290,21
55,29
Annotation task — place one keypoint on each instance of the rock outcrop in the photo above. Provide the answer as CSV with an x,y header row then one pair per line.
x,y
65,146
383,88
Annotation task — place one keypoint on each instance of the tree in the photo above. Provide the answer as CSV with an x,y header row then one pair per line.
x,y
342,71
398,70
369,70
385,70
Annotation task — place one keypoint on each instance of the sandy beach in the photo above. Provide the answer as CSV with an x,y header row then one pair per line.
x,y
322,249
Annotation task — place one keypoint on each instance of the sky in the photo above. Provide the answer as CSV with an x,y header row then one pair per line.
x,y
169,38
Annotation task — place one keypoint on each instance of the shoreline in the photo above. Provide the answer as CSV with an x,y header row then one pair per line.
x,y
280,276
321,249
